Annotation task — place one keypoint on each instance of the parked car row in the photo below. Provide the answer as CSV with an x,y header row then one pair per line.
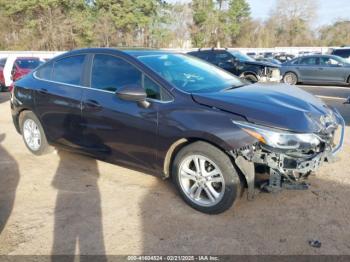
x,y
240,64
281,57
316,69
12,69
306,68
177,116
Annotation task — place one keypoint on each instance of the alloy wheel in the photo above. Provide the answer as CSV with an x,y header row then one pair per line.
x,y
32,135
201,180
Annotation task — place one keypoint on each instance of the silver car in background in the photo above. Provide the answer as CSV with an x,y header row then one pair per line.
x,y
316,69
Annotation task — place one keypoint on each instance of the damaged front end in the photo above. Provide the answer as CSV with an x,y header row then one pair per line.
x,y
289,158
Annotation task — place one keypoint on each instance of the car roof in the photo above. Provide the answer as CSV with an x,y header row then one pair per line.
x,y
138,53
131,52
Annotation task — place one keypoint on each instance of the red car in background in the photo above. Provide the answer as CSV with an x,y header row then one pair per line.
x,y
23,66
2,79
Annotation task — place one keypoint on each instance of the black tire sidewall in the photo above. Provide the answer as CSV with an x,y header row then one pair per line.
x,y
44,146
251,78
232,180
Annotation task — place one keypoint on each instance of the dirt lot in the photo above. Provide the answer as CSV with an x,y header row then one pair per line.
x,y
64,204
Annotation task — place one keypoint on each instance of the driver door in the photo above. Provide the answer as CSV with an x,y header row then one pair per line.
x,y
120,131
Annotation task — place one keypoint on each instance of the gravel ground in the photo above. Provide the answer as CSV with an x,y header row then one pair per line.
x,y
64,203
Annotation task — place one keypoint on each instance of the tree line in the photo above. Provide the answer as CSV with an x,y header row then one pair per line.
x,y
69,24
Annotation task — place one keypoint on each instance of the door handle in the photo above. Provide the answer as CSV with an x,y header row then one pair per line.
x,y
92,105
320,68
43,91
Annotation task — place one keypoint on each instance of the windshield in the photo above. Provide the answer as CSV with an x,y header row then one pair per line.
x,y
190,74
28,63
241,57
341,60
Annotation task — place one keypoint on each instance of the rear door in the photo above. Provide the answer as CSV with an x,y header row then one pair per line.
x,y
121,131
308,68
58,99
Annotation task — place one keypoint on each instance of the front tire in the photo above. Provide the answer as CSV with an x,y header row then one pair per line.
x,y
290,78
251,78
33,134
206,178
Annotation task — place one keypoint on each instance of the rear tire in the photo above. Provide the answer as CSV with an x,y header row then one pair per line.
x,y
290,78
33,134
206,178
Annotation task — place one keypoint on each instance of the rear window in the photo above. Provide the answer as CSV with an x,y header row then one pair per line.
x,y
69,70
201,55
45,72
28,63
345,53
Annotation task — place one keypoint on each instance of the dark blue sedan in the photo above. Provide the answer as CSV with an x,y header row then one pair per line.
x,y
176,116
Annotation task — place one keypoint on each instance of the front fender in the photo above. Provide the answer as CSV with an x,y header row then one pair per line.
x,y
199,123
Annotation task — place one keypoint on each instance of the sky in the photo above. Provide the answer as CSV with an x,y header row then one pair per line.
x,y
329,10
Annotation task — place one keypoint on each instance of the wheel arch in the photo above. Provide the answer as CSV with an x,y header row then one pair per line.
x,y
250,73
182,142
18,119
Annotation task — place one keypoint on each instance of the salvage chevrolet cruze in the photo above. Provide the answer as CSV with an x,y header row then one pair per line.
x,y
180,117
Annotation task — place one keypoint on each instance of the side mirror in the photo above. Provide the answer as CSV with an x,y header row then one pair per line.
x,y
133,93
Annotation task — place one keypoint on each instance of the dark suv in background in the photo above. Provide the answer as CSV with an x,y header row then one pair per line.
x,y
240,64
343,52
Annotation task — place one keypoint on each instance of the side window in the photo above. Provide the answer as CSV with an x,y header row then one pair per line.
x,y
222,58
328,61
69,70
200,54
45,72
110,73
308,61
152,89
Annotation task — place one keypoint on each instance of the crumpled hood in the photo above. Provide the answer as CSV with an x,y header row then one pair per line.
x,y
275,105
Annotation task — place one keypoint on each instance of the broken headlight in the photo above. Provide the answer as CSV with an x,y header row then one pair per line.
x,y
279,138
